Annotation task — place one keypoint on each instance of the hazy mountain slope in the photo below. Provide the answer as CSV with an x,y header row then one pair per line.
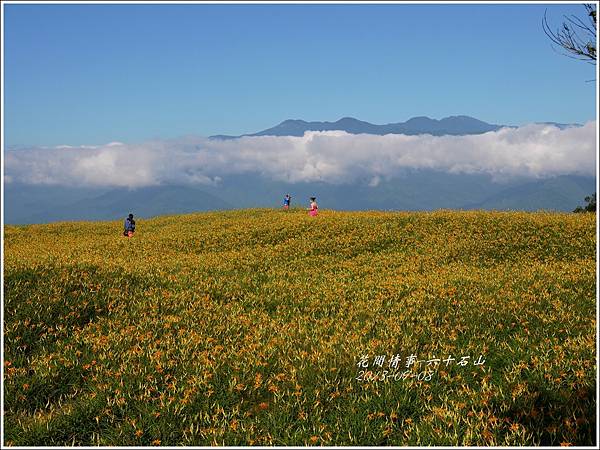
x,y
43,203
117,203
559,194
414,190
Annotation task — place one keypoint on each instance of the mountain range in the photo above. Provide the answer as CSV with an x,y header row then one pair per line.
x,y
453,125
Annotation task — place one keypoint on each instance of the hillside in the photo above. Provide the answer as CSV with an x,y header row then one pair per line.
x,y
413,191
265,327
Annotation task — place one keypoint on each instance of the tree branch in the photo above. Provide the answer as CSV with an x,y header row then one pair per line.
x,y
567,37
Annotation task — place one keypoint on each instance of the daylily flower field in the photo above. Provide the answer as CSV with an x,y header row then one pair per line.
x,y
267,327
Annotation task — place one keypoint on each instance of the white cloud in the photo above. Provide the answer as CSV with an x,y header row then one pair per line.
x,y
336,157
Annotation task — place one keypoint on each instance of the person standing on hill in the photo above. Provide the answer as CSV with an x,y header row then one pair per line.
x,y
286,201
313,207
129,226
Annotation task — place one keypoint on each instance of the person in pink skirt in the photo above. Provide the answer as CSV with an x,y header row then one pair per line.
x,y
313,207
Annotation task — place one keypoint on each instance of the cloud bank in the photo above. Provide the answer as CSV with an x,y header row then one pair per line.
x,y
535,151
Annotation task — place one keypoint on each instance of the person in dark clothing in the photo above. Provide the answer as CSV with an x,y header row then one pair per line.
x,y
129,226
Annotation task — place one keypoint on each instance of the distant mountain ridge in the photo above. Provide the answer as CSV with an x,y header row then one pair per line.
x,y
453,125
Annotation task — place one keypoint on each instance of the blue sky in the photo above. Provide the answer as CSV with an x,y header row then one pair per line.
x,y
92,74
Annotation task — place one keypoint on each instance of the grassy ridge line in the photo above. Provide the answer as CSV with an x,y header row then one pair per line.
x,y
245,327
